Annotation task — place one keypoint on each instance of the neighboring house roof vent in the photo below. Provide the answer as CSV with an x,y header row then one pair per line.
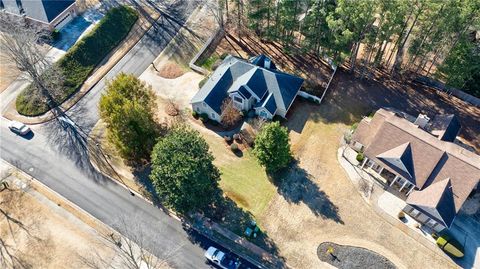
x,y
422,121
400,158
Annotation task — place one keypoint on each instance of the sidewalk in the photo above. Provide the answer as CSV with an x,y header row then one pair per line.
x,y
355,174
136,33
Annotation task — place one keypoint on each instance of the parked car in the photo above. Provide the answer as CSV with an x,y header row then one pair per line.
x,y
221,259
451,246
19,128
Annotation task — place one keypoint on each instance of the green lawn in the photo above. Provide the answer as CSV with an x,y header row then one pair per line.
x,y
243,179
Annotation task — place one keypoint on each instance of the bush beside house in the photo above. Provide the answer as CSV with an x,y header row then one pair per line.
x,y
77,64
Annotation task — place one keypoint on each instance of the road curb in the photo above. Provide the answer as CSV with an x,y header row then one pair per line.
x,y
75,209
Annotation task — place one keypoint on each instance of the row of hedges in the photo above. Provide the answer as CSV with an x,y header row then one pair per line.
x,y
77,64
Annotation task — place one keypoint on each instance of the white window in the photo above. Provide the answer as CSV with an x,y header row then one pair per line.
x,y
204,105
238,99
213,115
197,109
263,114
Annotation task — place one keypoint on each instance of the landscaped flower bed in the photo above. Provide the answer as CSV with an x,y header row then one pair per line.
x,y
349,257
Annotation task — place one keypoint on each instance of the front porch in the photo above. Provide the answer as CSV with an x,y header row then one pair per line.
x,y
395,183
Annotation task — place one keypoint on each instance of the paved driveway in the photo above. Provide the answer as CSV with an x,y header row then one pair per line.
x,y
467,231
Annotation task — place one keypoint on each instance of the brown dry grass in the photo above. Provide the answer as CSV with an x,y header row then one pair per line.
x,y
353,96
170,70
40,236
321,204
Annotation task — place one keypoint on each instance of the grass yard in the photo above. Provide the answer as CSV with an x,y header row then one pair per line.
x,y
209,62
77,64
243,179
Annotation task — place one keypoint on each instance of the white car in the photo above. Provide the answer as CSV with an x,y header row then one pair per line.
x,y
19,128
221,259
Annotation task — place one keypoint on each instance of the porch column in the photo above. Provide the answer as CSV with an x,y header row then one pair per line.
x,y
394,180
372,164
364,162
411,189
404,184
381,169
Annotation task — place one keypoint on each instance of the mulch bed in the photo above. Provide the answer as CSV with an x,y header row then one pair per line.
x,y
347,257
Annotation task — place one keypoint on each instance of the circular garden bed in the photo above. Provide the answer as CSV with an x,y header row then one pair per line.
x,y
347,257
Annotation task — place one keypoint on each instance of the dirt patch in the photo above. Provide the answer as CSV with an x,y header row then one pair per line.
x,y
315,70
170,70
350,95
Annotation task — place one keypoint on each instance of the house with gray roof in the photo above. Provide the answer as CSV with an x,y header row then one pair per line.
x,y
419,161
254,84
50,14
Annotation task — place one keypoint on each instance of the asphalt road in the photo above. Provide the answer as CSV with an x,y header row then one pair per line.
x,y
56,155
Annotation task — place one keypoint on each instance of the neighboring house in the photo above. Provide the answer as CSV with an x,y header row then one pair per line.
x,y
49,14
419,160
254,84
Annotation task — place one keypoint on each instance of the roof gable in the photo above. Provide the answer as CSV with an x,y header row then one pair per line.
x,y
45,10
437,199
401,158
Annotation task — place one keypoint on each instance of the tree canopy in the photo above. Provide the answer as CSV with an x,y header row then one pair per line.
x,y
127,107
183,172
411,35
272,147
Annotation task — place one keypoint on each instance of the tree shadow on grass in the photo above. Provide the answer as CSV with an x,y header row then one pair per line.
x,y
295,184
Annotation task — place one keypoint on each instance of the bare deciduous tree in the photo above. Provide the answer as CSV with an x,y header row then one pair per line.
x,y
20,45
230,114
129,248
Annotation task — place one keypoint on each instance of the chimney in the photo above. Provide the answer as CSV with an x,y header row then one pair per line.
x,y
422,121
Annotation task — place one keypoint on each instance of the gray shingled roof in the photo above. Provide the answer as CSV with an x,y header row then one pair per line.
x,y
262,82
45,10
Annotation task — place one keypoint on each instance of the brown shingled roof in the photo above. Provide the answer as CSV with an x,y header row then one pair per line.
x,y
434,160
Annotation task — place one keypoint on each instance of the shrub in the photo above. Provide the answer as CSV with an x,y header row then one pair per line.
x,y
77,64
223,55
55,35
234,147
204,117
230,114
360,157
195,114
451,246
401,215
